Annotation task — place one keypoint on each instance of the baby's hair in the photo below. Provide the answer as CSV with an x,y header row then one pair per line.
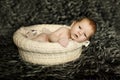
x,y
92,23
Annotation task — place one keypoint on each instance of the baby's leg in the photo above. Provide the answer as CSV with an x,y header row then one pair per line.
x,y
41,37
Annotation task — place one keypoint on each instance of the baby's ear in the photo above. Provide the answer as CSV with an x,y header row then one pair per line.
x,y
73,23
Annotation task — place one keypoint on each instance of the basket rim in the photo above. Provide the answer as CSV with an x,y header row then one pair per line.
x,y
43,47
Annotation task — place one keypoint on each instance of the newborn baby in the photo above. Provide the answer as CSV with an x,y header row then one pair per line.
x,y
80,31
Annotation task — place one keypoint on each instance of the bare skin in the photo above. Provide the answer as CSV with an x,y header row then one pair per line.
x,y
80,31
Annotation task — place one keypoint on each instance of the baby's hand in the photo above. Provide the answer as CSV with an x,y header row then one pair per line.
x,y
64,42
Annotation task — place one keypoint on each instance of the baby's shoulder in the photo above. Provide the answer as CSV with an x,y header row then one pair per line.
x,y
64,29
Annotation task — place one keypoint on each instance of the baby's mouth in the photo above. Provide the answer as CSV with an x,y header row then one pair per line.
x,y
75,36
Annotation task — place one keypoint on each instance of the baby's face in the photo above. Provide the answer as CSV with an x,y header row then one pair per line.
x,y
81,31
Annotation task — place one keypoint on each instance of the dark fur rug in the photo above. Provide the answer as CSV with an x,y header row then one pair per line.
x,y
99,61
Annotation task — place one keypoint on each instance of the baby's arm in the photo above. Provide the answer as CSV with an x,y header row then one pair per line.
x,y
60,36
63,41
55,36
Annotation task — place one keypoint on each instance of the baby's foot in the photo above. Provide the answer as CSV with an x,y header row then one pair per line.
x,y
31,34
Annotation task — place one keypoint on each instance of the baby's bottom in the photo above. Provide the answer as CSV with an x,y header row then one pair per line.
x,y
43,37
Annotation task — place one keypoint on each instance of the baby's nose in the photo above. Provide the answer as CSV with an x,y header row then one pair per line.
x,y
80,32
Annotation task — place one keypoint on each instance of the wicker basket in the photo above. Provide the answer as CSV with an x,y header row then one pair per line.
x,y
46,53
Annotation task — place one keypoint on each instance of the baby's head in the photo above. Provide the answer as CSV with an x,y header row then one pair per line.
x,y
83,29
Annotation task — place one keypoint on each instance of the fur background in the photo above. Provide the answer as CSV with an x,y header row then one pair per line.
x,y
100,61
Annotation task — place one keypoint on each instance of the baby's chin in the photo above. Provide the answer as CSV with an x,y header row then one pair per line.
x,y
75,40
79,41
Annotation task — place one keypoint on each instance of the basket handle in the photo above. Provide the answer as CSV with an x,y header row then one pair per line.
x,y
86,43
